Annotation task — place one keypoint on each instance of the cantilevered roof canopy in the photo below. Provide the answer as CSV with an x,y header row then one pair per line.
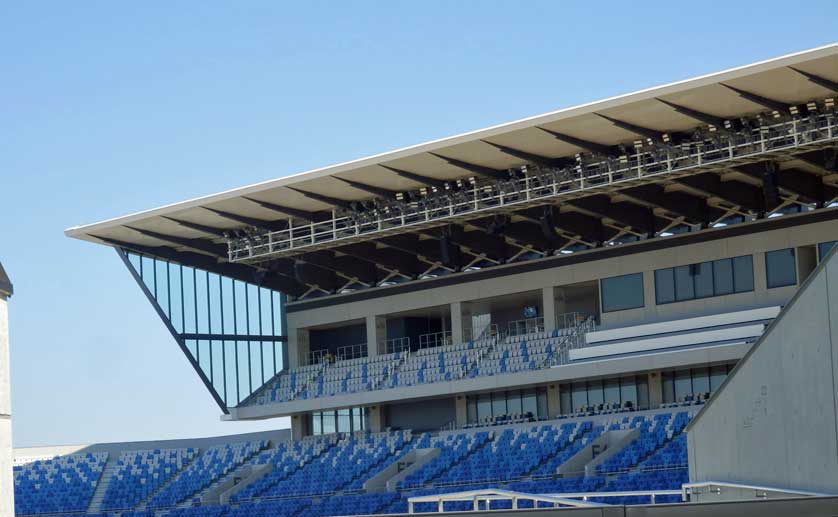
x,y
552,139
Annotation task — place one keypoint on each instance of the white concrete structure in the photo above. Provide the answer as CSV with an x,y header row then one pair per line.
x,y
7,494
774,422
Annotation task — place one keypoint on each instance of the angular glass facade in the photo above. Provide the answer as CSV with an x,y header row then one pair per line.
x,y
230,330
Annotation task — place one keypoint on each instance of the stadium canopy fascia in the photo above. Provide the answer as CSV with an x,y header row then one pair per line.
x,y
776,88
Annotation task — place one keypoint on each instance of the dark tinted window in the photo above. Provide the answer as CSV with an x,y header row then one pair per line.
x,y
622,292
824,248
743,274
704,279
664,285
780,268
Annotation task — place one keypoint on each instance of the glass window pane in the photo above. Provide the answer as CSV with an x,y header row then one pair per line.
x,y
498,404
628,390
595,396
703,275
642,382
357,419
683,384
328,422
529,402
717,376
723,277
780,268
664,286
564,399
701,380
471,409
316,423
668,385
513,402
580,395
484,406
343,421
684,287
612,391
622,292
541,403
743,274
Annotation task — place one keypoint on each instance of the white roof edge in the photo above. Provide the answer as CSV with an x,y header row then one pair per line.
x,y
643,94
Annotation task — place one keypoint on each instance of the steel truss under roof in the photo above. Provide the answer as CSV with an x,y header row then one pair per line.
x,y
734,146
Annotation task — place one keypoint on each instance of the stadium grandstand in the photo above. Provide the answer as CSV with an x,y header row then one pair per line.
x,y
527,318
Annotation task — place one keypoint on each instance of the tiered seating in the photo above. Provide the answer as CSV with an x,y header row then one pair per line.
x,y
695,399
140,473
340,465
62,484
363,504
353,375
514,418
654,433
442,363
574,438
285,459
271,508
453,448
214,463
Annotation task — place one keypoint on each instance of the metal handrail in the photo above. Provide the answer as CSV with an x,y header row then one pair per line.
x,y
435,339
351,351
760,491
525,326
398,344
537,185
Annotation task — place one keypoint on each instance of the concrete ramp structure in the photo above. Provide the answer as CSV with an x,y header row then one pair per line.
x,y
774,421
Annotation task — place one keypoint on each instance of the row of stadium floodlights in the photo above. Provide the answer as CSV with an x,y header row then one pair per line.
x,y
738,141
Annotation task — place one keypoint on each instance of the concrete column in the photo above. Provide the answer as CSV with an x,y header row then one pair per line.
x,y
298,347
554,401
760,283
648,289
548,308
7,491
461,411
376,419
457,322
655,390
298,427
376,335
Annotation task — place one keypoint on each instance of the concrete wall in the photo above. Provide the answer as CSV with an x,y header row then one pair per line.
x,y
774,422
755,243
7,492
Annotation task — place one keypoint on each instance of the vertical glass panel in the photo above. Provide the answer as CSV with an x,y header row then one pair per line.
x,y
240,299
723,276
189,316
231,374
684,287
668,386
216,349
329,424
564,399
357,419
484,406
611,391
642,383
317,424
780,269
471,410
717,376
580,395
622,292
344,425
743,274
628,390
227,306
253,310
243,367
498,404
541,403
135,260
683,384
664,286
201,302
255,349
513,402
176,296
701,380
703,276
163,299
529,402
149,274
595,396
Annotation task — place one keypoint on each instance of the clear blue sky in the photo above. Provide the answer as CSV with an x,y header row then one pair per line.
x,y
112,107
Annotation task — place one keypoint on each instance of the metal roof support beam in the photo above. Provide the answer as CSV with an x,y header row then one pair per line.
x,y
405,263
809,187
344,265
291,212
428,250
693,209
637,130
376,191
740,194
528,157
820,81
471,167
270,226
717,122
758,99
211,230
340,203
626,214
316,276
202,245
825,160
589,146
418,178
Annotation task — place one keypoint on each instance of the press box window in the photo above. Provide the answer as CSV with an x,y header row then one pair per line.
x,y
824,248
705,279
780,269
622,292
